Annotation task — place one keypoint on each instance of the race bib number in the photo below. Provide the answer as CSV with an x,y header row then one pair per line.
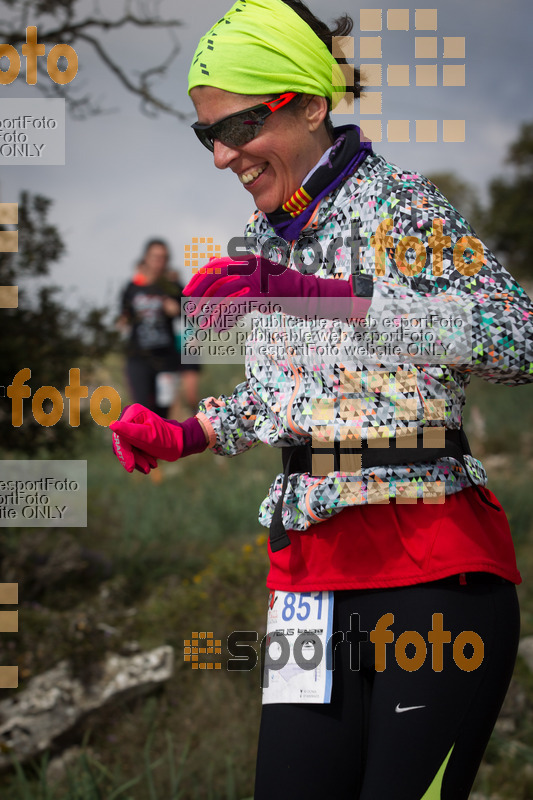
x,y
299,627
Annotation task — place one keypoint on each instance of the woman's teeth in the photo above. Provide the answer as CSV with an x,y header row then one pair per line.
x,y
248,177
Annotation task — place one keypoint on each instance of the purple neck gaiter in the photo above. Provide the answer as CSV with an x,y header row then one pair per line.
x,y
346,155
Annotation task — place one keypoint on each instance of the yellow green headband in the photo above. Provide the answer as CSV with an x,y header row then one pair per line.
x,y
264,47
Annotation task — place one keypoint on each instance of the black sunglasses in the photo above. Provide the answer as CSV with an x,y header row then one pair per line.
x,y
240,128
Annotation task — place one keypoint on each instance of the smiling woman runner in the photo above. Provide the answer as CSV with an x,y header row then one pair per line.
x,y
401,548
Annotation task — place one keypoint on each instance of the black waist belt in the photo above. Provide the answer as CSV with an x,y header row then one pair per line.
x,y
299,458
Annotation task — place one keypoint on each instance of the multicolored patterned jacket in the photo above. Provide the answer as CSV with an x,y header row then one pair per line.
x,y
283,403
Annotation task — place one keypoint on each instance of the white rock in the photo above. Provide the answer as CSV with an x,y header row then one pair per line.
x,y
54,702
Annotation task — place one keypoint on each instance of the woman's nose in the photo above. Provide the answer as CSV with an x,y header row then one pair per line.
x,y
223,154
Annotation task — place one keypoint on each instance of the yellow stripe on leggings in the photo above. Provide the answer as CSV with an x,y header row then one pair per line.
x,y
434,791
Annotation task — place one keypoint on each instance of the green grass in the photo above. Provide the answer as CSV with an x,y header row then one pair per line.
x,y
88,779
508,416
164,560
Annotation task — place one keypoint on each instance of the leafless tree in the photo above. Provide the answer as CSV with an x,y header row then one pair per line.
x,y
90,21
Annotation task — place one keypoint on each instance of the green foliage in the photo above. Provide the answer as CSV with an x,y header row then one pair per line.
x,y
40,243
463,196
511,207
89,779
181,556
505,223
42,334
521,151
507,414
160,560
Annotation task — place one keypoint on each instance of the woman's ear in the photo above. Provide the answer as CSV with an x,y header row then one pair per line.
x,y
316,111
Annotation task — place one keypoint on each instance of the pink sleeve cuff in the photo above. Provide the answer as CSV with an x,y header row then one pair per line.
x,y
209,428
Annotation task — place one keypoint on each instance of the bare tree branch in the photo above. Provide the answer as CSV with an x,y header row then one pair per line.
x,y
142,89
79,106
91,29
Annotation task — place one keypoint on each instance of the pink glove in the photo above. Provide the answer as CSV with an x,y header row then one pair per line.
x,y
140,437
224,282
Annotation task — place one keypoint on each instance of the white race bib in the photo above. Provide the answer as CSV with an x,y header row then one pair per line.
x,y
299,627
166,384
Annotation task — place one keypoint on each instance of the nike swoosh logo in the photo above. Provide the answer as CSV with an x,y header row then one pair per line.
x,y
406,708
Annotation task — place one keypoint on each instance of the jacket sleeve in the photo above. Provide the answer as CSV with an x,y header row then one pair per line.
x,y
458,268
231,420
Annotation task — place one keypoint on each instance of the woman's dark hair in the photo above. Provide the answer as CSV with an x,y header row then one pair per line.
x,y
343,26
151,243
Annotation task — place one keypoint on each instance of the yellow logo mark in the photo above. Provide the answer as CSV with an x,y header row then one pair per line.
x,y
9,676
192,650
195,252
9,243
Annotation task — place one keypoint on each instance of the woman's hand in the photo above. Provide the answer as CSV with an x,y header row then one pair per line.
x,y
171,307
140,437
223,283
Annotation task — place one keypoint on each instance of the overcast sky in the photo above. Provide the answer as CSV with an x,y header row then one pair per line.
x,y
128,177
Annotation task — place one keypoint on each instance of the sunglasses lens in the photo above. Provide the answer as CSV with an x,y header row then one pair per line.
x,y
240,128
237,130
204,137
